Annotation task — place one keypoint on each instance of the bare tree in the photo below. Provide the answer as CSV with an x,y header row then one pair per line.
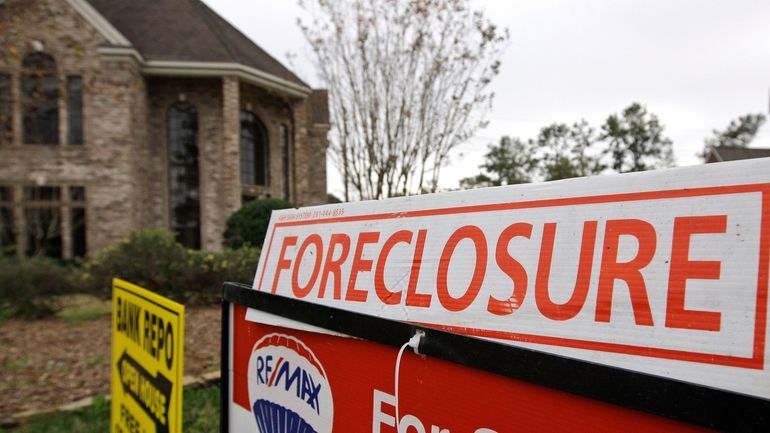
x,y
408,81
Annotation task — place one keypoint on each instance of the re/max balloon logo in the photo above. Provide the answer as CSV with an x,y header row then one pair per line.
x,y
294,378
288,388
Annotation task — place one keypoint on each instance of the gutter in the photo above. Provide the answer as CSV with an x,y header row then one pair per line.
x,y
174,68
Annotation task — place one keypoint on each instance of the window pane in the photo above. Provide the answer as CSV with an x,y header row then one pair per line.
x,y
75,108
285,159
78,227
40,95
261,156
43,231
77,193
247,148
6,110
7,235
5,194
254,150
183,173
42,193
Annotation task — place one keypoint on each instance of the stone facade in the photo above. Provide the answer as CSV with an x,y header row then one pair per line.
x,y
123,161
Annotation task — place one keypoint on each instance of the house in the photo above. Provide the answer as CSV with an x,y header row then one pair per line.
x,y
117,115
729,153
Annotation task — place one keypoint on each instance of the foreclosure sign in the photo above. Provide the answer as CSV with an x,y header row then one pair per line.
x,y
662,272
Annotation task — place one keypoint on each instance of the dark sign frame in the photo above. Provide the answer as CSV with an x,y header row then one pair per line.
x,y
673,399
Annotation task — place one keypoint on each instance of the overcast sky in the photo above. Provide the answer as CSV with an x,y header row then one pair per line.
x,y
696,64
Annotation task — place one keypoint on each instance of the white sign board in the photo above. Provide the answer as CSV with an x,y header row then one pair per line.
x,y
662,272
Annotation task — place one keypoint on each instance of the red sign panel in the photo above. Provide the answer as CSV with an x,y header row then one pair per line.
x,y
294,381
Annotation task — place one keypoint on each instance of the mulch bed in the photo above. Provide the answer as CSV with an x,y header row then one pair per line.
x,y
45,363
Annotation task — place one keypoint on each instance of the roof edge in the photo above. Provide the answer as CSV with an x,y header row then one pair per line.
x,y
121,53
99,22
211,69
716,154
173,68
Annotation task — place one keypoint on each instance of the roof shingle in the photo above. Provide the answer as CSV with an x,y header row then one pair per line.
x,y
728,153
186,30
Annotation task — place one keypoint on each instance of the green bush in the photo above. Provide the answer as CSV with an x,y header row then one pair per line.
x,y
154,260
209,270
29,286
150,258
248,225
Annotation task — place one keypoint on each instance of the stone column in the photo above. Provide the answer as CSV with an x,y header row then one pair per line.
x,y
311,141
230,188
19,220
65,225
318,143
16,118
301,158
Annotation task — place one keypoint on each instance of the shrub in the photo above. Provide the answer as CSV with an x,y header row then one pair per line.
x,y
210,270
248,225
154,260
29,286
150,258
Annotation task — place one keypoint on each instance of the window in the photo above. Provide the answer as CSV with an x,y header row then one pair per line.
x,y
183,173
78,221
42,220
285,146
7,233
40,99
75,108
51,221
254,151
6,110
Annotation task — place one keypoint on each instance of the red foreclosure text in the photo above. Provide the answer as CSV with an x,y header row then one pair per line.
x,y
660,274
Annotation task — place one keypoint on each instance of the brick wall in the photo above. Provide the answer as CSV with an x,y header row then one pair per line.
x,y
218,102
112,109
274,111
123,161
206,95
310,147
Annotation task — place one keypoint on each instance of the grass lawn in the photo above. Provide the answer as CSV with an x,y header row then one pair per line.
x,y
76,308
201,415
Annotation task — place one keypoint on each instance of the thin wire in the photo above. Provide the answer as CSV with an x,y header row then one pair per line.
x,y
398,365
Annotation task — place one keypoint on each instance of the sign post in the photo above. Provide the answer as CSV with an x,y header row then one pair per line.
x,y
147,361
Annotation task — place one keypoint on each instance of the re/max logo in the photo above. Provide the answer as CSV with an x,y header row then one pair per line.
x,y
291,378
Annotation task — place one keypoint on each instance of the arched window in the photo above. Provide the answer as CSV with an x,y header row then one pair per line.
x,y
254,151
6,109
40,99
286,160
183,173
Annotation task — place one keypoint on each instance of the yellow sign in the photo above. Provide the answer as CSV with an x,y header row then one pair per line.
x,y
147,353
